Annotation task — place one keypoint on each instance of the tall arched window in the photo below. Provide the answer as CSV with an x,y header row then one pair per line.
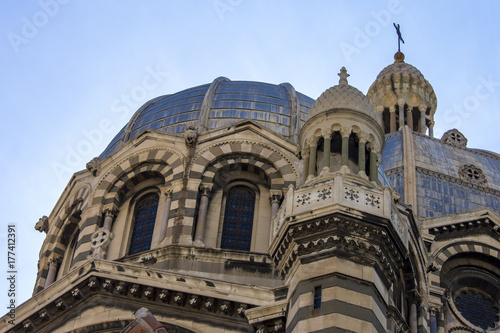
x,y
238,219
144,222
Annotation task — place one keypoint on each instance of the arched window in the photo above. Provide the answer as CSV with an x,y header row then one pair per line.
x,y
144,222
238,219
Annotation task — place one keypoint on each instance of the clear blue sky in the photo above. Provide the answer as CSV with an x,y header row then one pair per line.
x,y
73,72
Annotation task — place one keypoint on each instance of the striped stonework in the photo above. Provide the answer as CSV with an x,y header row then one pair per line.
x,y
267,158
64,225
459,247
347,305
166,162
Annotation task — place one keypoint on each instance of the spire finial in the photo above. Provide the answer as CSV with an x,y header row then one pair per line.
x,y
399,56
343,76
400,38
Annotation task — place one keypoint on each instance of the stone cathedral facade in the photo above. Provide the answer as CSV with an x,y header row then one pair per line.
x,y
242,206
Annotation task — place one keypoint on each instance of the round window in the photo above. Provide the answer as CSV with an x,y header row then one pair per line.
x,y
478,308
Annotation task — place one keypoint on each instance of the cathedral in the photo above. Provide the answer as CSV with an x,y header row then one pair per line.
x,y
240,206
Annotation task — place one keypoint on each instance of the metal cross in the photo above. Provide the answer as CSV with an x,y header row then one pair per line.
x,y
400,38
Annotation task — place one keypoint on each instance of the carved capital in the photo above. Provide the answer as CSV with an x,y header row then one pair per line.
x,y
345,132
168,191
275,196
434,311
372,147
205,189
414,297
326,133
55,261
43,224
110,210
363,137
312,142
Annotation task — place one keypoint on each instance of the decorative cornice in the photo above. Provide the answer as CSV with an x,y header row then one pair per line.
x,y
338,234
474,224
493,156
118,288
457,181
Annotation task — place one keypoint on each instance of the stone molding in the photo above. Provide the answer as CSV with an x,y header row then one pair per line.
x,y
467,226
491,155
332,234
114,285
457,181
250,142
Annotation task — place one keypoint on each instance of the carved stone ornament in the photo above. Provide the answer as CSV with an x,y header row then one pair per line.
x,y
94,166
190,135
454,138
43,224
472,174
99,242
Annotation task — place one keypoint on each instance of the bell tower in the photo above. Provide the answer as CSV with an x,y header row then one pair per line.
x,y
402,96
340,241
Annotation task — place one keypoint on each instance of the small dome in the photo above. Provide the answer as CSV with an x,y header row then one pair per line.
x,y
342,96
403,85
400,68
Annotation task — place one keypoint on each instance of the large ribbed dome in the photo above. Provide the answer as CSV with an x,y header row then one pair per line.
x,y
342,97
277,107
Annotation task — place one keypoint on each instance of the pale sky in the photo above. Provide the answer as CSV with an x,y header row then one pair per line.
x,y
73,72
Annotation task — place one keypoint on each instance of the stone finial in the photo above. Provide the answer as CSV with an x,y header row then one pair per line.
x,y
343,76
399,57
190,135
94,166
43,224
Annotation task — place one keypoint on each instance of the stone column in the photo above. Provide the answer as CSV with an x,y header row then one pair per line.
x,y
313,145
401,114
166,213
413,315
422,109
373,163
109,216
51,274
345,132
361,154
409,117
275,199
431,129
305,172
392,112
327,137
433,311
202,214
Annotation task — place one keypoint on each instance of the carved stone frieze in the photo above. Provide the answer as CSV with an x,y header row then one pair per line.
x,y
339,234
93,284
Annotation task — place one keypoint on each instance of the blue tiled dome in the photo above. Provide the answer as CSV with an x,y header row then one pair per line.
x,y
277,107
